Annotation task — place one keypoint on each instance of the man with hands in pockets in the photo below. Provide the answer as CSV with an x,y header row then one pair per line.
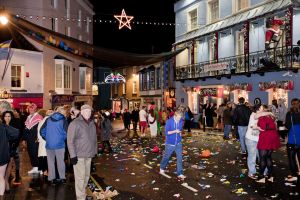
x,y
82,145
173,129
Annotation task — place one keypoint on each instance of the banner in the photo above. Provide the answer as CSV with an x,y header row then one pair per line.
x,y
215,67
286,85
240,86
211,92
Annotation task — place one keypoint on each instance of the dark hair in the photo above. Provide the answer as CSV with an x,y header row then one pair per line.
x,y
4,113
256,107
241,100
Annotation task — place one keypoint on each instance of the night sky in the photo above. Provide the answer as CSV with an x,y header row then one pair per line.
x,y
142,38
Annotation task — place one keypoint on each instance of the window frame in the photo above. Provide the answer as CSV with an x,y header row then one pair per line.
x,y
211,49
134,87
189,19
123,88
209,13
79,18
66,87
235,6
81,71
158,78
53,3
21,76
238,42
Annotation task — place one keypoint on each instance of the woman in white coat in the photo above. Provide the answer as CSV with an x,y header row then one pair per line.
x,y
42,153
153,123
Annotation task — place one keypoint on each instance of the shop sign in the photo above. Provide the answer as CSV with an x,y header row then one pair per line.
x,y
213,92
215,67
240,86
61,99
148,100
286,85
82,98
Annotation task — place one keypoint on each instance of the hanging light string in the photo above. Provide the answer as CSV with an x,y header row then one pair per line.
x,y
97,21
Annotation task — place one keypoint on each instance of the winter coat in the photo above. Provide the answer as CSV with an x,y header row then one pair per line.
x,y
241,115
42,143
82,138
135,115
294,131
227,116
106,130
252,133
54,131
175,138
269,137
7,133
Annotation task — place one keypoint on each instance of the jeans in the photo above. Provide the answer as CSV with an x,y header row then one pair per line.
x,y
169,149
252,155
292,154
227,129
242,133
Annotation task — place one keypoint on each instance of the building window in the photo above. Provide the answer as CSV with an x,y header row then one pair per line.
x,y
79,18
67,7
134,87
63,76
241,5
116,88
58,75
213,10
67,76
158,78
212,49
145,81
16,76
79,37
124,88
69,31
152,80
82,75
240,43
87,24
53,3
193,19
54,24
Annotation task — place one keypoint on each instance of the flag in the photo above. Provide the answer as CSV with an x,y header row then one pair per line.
x,y
4,49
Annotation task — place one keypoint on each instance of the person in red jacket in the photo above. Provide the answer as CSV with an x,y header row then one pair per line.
x,y
273,31
268,142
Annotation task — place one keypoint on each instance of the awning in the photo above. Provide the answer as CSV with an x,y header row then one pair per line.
x,y
248,14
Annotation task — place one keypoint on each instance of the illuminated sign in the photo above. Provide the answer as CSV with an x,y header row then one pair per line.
x,y
115,78
124,20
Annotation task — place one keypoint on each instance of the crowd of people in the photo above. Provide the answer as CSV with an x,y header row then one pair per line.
x,y
63,137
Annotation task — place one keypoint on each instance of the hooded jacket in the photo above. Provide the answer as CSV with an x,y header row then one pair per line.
x,y
292,123
55,131
171,125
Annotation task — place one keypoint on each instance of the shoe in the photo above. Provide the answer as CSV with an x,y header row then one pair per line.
x,y
262,180
161,171
63,181
181,176
291,179
252,176
271,179
34,170
52,182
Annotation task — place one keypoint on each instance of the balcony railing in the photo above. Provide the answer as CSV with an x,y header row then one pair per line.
x,y
280,58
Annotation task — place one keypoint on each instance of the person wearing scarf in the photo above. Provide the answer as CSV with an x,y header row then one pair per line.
x,y
30,135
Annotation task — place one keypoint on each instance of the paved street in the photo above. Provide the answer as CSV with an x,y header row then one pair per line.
x,y
133,171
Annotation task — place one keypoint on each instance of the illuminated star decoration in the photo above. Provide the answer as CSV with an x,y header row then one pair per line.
x,y
124,20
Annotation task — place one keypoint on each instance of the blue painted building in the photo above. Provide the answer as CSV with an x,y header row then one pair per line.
x,y
226,56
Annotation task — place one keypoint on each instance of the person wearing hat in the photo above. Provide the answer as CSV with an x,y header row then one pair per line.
x,y
82,145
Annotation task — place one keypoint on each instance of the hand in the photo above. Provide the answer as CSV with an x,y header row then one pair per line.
x,y
74,160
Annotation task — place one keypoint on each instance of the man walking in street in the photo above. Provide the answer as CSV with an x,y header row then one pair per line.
x,y
82,145
135,119
143,120
241,118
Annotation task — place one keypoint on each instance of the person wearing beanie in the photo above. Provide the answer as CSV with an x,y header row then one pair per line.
x,y
82,145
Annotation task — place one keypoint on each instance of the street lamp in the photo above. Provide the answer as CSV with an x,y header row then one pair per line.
x,y
3,20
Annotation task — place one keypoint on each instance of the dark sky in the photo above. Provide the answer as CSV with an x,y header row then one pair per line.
x,y
142,38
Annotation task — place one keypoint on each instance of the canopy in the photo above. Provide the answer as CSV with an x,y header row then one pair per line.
x,y
68,45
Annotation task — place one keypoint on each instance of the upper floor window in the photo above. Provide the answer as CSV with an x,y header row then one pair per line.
x,y
192,19
116,88
82,79
212,49
241,5
134,87
158,78
79,37
240,43
16,76
54,24
213,10
79,18
124,88
63,75
88,24
151,80
67,7
53,3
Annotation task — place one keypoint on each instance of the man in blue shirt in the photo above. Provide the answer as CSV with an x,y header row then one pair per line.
x,y
173,130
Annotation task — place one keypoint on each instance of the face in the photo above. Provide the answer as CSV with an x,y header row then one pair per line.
x,y
177,117
86,113
295,104
7,118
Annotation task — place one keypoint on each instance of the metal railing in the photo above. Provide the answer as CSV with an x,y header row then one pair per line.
x,y
279,58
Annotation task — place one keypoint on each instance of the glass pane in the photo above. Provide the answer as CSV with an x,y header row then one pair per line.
x,y
58,75
19,71
82,79
13,70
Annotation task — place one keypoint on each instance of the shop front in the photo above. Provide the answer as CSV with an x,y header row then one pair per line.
x,y
149,100
21,101
80,100
277,90
61,100
134,103
169,98
119,104
238,90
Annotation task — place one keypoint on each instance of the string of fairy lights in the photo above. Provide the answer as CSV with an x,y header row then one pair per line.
x,y
97,21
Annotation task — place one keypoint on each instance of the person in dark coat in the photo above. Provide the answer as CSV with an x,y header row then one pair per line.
x,y
30,135
227,120
292,123
135,118
189,117
208,113
126,119
106,129
7,134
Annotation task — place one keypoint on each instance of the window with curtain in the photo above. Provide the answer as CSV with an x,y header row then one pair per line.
x,y
193,19
213,10
67,77
16,76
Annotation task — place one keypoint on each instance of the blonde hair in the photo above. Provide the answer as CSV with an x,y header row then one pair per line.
x,y
180,110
